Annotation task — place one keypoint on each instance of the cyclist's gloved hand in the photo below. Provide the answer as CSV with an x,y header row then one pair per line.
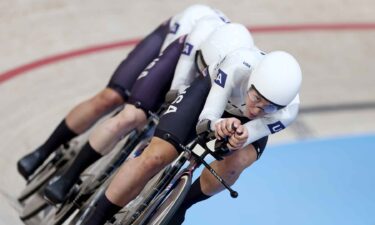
x,y
239,138
231,132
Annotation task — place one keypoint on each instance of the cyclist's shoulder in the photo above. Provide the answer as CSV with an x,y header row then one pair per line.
x,y
251,55
241,59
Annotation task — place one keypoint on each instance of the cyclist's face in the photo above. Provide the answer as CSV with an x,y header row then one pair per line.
x,y
255,104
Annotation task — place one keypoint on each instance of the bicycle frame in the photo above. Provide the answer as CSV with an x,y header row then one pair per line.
x,y
127,149
130,147
172,175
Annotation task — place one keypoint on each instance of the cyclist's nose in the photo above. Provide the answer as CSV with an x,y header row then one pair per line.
x,y
257,110
254,111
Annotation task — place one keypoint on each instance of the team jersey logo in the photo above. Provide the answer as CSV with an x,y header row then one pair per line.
x,y
187,49
221,78
174,28
275,127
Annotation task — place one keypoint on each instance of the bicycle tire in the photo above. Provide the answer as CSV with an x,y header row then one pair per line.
x,y
129,209
170,205
37,204
163,207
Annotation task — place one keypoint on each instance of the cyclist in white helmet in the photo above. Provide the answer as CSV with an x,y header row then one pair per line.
x,y
245,93
258,93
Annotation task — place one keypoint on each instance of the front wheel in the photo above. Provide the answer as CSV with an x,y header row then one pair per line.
x,y
34,205
167,208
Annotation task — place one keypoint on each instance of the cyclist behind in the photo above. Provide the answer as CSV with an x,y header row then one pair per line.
x,y
245,93
147,93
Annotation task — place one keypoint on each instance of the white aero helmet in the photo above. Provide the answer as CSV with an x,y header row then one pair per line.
x,y
197,11
277,78
184,22
224,40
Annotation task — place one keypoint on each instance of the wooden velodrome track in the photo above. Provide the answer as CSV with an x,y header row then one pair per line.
x,y
333,41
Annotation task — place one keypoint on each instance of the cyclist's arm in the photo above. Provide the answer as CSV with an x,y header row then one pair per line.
x,y
222,86
177,30
272,123
185,70
181,25
215,104
227,76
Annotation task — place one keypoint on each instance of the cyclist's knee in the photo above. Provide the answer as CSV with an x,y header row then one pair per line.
x,y
107,99
158,154
130,116
240,159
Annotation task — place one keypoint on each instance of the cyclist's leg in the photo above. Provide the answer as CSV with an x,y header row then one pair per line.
x,y
86,114
106,136
76,122
137,60
57,190
229,169
147,95
134,174
131,178
146,91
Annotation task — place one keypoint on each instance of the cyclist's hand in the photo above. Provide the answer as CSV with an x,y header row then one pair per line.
x,y
226,127
238,139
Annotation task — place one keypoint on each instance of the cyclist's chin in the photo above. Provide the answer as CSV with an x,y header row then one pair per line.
x,y
249,115
252,117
